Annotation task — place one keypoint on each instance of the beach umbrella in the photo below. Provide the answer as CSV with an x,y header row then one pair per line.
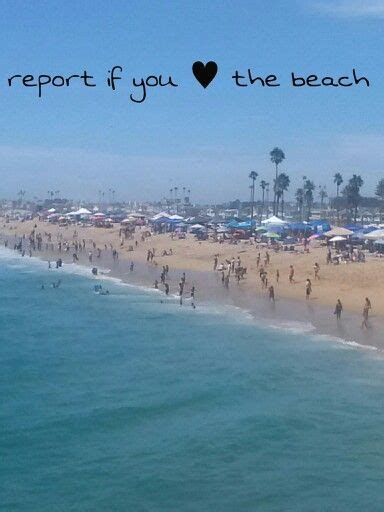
x,y
338,239
270,234
338,232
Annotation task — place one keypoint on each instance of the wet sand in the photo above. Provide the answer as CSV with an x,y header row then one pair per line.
x,y
287,313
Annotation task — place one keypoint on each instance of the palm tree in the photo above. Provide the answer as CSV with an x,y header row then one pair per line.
x,y
380,189
253,175
277,156
309,187
21,194
263,185
299,195
338,180
352,193
323,194
380,193
176,189
281,186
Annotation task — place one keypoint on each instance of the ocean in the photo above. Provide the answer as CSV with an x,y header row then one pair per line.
x,y
126,402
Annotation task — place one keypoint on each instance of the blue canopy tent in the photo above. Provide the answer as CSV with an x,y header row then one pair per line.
x,y
277,229
369,229
233,224
244,225
320,225
300,227
354,227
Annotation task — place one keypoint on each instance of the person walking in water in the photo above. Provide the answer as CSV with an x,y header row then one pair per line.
x,y
193,296
338,309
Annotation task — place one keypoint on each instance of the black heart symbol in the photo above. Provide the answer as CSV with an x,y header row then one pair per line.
x,y
204,73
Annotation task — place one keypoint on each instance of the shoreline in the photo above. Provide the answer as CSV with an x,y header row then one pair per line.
x,y
291,315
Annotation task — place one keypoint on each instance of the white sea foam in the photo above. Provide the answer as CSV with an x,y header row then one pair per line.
x,y
291,326
234,313
346,343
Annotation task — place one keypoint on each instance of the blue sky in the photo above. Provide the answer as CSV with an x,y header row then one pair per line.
x,y
80,140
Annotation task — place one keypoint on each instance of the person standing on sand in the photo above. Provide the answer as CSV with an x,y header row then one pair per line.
x,y
277,275
308,289
338,309
271,291
367,307
317,270
291,274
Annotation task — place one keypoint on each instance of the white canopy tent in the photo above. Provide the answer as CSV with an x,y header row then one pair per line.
x,y
80,211
161,215
274,220
375,235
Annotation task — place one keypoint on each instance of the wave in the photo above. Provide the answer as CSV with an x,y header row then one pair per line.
x,y
234,314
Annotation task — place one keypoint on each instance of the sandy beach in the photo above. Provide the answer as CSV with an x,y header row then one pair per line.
x,y
350,283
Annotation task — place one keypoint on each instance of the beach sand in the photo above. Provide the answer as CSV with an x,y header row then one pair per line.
x,y
350,282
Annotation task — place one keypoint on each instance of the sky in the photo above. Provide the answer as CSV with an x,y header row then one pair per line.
x,y
81,140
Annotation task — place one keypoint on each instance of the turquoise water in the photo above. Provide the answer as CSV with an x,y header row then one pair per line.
x,y
121,403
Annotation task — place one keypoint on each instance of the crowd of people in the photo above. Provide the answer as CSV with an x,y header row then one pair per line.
x,y
229,270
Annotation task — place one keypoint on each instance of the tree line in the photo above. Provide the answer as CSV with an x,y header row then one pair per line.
x,y
349,196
